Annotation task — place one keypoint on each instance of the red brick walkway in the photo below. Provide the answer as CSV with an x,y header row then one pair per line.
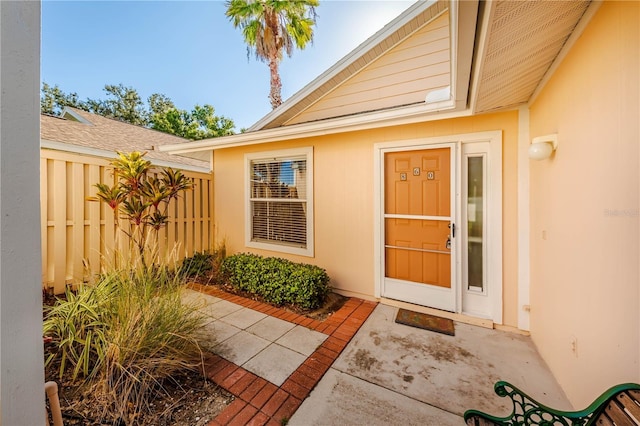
x,y
259,402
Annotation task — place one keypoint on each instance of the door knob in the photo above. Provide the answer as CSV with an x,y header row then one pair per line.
x,y
448,244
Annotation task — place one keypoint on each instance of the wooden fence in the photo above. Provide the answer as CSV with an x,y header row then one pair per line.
x,y
80,237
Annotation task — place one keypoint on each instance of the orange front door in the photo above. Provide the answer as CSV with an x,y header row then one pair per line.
x,y
418,221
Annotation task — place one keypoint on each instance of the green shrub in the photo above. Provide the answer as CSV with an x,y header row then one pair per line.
x,y
278,281
200,264
125,335
204,266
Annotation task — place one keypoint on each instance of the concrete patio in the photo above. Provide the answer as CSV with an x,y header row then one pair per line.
x,y
397,374
360,367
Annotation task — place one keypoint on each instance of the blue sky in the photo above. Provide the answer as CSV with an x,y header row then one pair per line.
x,y
189,51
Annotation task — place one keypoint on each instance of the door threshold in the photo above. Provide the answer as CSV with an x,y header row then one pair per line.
x,y
465,319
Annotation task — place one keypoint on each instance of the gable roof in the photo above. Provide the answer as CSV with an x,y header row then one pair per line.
x,y
501,54
416,70
400,29
80,131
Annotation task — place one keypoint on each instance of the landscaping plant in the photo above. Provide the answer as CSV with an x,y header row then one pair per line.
x,y
125,335
278,281
205,266
141,197
200,264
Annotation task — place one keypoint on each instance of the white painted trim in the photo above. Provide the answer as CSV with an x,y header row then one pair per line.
x,y
75,116
378,226
463,17
568,45
394,117
465,319
400,145
482,42
473,302
453,49
524,220
494,224
108,154
306,151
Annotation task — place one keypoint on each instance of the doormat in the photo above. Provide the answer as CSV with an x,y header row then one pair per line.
x,y
426,321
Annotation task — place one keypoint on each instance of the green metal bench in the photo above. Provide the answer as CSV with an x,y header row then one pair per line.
x,y
618,406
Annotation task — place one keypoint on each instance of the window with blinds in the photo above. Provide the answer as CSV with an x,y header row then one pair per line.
x,y
279,192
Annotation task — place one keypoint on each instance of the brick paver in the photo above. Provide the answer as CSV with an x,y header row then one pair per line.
x,y
264,395
259,402
287,409
275,402
253,389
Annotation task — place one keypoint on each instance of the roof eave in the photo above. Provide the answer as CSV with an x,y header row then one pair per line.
x,y
372,120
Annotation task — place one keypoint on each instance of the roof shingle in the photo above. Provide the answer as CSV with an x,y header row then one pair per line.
x,y
111,135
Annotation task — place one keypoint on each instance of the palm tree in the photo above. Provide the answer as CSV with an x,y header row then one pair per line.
x,y
271,27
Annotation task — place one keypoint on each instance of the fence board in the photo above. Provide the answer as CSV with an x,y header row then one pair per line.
x,y
47,279
78,232
210,199
181,229
172,226
92,221
59,191
189,196
77,199
197,215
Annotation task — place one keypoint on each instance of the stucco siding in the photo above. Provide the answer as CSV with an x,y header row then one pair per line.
x,y
585,307
344,199
403,75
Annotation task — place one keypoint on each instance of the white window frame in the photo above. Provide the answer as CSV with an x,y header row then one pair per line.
x,y
280,155
464,230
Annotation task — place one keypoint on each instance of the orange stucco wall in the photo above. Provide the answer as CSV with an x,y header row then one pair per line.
x,y
344,199
585,307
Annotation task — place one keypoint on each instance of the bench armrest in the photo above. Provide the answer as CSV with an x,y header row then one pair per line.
x,y
528,411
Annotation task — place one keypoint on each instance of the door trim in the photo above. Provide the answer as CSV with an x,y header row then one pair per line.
x,y
494,225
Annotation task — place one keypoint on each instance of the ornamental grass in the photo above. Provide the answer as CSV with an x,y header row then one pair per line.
x,y
125,336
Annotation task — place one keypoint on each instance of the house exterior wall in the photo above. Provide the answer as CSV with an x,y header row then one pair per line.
x,y
402,76
344,199
76,231
585,280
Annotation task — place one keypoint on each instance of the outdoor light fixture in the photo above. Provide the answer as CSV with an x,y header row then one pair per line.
x,y
542,146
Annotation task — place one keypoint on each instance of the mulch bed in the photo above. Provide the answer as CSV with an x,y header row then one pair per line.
x,y
189,399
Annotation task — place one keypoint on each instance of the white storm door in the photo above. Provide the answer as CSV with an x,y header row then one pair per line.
x,y
419,226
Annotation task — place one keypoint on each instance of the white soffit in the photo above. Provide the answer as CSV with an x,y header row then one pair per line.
x,y
522,40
